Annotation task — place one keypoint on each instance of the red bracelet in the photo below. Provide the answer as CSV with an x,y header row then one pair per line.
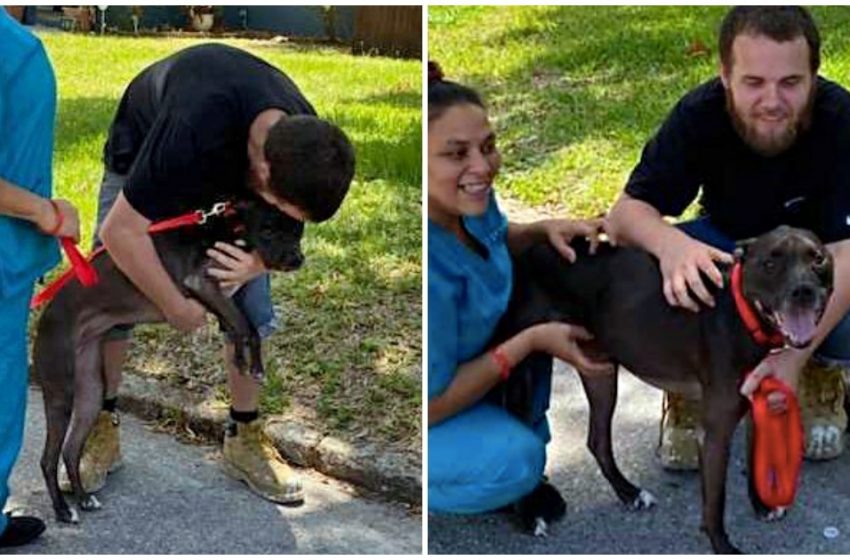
x,y
502,361
60,218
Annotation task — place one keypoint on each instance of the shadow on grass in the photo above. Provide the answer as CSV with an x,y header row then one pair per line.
x,y
407,99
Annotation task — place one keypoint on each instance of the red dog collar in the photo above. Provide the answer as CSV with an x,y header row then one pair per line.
x,y
749,317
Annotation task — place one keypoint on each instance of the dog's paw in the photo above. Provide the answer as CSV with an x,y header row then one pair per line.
x,y
644,500
774,514
90,503
68,515
541,528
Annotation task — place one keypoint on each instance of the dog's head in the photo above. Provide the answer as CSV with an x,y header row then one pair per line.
x,y
276,236
787,278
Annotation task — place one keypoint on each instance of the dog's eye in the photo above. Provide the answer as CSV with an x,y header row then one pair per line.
x,y
768,265
819,259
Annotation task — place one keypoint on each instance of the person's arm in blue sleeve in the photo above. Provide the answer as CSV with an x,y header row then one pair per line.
x,y
453,387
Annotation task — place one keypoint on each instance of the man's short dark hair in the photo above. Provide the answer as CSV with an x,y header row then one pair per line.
x,y
780,23
311,163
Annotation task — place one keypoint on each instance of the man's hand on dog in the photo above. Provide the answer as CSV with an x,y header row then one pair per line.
x,y
561,232
190,315
681,261
239,267
564,341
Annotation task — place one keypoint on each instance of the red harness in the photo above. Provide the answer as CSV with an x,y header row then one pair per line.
x,y
81,266
777,444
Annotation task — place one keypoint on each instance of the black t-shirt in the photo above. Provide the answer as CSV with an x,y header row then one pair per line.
x,y
181,130
744,193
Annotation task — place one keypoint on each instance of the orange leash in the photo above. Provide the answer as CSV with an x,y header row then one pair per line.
x,y
777,445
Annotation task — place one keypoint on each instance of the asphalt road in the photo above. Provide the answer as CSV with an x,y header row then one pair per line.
x,y
596,523
172,498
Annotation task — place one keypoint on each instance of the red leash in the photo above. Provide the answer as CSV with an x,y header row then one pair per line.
x,y
777,445
81,266
777,436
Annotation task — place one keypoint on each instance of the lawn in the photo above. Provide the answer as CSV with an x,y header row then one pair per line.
x,y
348,354
575,92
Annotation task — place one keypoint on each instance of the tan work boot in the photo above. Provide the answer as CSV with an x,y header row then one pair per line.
x,y
678,448
822,409
101,454
251,457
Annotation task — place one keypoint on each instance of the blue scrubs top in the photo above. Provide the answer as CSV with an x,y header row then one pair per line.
x,y
467,294
27,114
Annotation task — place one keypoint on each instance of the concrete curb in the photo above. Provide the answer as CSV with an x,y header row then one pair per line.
x,y
393,474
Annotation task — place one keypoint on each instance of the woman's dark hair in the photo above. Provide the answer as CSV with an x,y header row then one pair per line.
x,y
443,94
311,163
780,23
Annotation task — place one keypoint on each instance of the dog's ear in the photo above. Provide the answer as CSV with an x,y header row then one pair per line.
x,y
741,248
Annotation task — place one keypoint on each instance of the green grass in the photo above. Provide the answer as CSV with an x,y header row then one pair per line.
x,y
574,92
349,351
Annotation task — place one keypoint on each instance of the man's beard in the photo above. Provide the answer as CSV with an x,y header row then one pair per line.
x,y
770,146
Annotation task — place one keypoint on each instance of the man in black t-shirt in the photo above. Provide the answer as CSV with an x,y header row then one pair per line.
x,y
206,124
767,143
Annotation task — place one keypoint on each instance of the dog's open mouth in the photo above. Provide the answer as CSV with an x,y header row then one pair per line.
x,y
797,325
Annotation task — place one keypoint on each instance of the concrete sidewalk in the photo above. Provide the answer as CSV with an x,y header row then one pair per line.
x,y
596,522
172,498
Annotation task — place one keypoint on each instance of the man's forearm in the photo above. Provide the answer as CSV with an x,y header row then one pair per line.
x,y
136,256
635,223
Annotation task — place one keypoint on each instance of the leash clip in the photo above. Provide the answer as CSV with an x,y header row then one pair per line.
x,y
217,209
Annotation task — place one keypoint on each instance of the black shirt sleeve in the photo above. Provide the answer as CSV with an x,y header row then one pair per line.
x,y
668,175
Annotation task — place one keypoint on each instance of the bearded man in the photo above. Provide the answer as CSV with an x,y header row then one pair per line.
x,y
768,142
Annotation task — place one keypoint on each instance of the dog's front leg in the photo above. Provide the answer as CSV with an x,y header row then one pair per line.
x,y
233,321
720,415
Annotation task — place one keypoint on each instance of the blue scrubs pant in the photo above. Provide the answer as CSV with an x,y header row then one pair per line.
x,y
483,458
834,350
13,381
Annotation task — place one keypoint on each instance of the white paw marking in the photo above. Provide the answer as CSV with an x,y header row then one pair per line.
x,y
75,517
776,514
645,500
541,529
94,503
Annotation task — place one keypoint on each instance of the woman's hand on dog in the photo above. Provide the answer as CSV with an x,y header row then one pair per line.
x,y
239,267
565,341
561,232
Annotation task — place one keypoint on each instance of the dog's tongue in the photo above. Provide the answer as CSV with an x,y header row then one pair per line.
x,y
799,327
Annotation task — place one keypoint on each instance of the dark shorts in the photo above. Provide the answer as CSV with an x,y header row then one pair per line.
x,y
254,298
835,349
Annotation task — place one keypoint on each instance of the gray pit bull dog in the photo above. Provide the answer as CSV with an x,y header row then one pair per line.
x,y
67,349
786,278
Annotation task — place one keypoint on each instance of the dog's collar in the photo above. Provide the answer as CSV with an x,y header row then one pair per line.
x,y
748,316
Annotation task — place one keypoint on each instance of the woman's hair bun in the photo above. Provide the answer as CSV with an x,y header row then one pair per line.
x,y
435,73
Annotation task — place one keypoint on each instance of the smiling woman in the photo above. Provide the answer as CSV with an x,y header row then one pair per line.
x,y
469,284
